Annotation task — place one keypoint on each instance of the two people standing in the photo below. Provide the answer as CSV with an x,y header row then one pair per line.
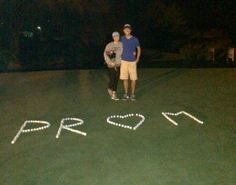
x,y
122,56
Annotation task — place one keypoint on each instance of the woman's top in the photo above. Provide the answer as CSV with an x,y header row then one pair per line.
x,y
112,53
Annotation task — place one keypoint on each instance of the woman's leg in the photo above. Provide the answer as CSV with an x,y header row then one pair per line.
x,y
110,74
116,78
112,79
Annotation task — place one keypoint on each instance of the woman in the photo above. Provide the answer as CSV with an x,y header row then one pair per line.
x,y
112,55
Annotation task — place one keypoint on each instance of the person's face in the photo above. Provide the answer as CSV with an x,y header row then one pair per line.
x,y
116,38
127,31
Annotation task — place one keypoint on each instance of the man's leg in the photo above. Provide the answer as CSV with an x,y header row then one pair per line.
x,y
133,86
124,75
126,86
133,78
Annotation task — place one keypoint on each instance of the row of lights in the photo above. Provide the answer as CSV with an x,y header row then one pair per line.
x,y
22,130
126,116
167,114
69,127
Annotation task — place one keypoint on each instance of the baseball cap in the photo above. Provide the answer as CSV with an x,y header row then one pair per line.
x,y
127,26
115,33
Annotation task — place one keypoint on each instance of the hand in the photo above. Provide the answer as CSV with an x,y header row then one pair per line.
x,y
111,65
137,61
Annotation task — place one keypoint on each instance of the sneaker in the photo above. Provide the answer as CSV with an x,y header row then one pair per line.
x,y
114,97
125,97
133,97
109,92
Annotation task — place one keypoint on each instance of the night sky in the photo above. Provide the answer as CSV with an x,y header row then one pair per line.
x,y
167,25
198,15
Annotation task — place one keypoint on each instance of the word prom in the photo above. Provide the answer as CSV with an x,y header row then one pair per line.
x,y
69,123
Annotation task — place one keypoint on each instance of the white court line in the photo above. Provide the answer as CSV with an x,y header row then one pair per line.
x,y
68,127
22,130
167,114
126,116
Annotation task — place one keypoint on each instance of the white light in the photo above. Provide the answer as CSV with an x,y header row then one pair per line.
x,y
165,114
39,28
22,130
68,127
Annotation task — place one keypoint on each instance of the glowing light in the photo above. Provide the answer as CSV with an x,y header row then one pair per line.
x,y
126,116
167,114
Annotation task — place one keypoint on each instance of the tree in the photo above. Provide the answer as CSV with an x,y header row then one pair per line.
x,y
165,23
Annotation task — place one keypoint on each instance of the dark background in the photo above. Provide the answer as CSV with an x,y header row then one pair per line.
x,y
61,34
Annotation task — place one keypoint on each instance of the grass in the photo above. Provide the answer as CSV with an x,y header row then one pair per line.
x,y
157,153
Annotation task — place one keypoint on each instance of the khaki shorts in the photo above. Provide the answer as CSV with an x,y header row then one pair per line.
x,y
128,70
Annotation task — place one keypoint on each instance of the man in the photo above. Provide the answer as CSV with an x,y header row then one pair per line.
x,y
130,58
